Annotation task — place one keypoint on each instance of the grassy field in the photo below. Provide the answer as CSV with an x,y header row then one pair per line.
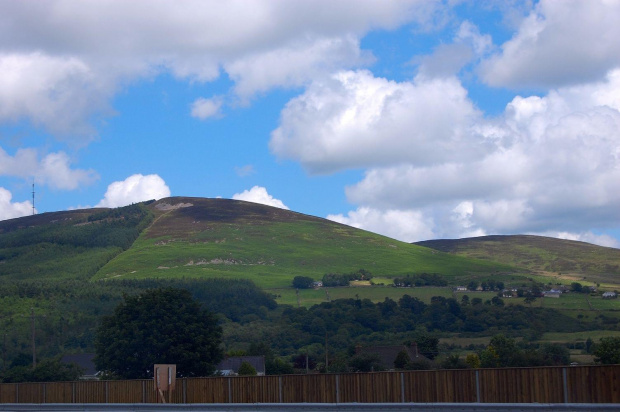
x,y
595,335
560,259
223,238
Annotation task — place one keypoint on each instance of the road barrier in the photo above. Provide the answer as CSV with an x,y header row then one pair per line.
x,y
549,385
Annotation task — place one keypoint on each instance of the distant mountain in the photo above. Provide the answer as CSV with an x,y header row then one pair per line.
x,y
538,253
185,237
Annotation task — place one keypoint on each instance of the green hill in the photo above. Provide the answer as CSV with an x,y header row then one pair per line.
x,y
67,245
207,238
567,259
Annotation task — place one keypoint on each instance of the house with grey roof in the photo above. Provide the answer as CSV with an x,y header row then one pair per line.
x,y
230,366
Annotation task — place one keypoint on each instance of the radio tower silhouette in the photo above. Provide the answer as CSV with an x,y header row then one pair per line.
x,y
33,197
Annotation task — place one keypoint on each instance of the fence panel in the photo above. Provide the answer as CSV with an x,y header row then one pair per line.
x,y
8,392
207,390
519,385
580,384
90,392
440,386
309,388
592,385
254,389
125,392
59,392
31,393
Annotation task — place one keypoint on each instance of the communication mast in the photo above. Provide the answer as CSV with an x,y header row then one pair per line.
x,y
33,197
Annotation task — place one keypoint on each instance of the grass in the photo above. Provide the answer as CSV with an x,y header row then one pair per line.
x,y
595,335
217,238
565,260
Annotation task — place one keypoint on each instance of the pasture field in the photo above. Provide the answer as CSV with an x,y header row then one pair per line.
x,y
595,335
229,239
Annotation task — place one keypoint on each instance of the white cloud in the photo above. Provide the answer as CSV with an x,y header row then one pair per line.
x,y
244,171
10,210
61,62
52,169
205,108
559,43
588,237
404,225
136,188
258,194
547,163
57,93
354,119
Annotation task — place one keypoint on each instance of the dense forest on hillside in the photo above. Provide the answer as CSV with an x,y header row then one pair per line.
x,y
71,248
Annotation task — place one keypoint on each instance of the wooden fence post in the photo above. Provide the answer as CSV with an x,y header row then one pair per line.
x,y
402,387
106,391
73,393
565,385
229,392
184,390
280,387
337,388
477,386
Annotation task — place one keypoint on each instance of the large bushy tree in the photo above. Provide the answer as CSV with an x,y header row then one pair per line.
x,y
158,326
608,351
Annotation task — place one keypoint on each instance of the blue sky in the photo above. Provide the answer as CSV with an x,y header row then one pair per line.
x,y
413,119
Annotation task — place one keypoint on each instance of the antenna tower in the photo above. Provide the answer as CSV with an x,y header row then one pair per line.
x,y
33,197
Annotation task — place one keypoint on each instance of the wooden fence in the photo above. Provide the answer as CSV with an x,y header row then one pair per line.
x,y
579,384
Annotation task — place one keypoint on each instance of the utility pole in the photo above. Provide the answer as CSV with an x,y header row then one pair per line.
x,y
33,197
326,357
4,354
34,351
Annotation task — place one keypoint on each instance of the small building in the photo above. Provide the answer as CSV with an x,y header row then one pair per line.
x,y
610,295
230,366
84,361
317,284
387,354
553,293
460,289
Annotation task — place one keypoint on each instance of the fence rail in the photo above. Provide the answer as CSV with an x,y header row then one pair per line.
x,y
575,384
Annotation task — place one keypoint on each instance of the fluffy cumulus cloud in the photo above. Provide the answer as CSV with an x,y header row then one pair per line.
x,y
53,169
205,108
93,48
354,119
546,162
559,43
9,210
258,194
405,225
136,188
55,92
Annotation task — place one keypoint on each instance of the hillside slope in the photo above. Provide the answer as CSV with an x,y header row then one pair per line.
x,y
205,238
67,245
538,253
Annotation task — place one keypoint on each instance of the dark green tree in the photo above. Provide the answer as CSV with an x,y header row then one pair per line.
x,y
246,369
158,326
302,282
553,354
49,370
365,362
402,359
608,351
